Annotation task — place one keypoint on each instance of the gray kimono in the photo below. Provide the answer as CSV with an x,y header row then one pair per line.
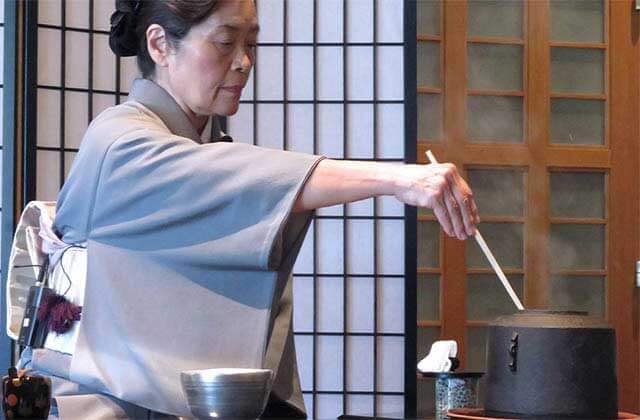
x,y
190,250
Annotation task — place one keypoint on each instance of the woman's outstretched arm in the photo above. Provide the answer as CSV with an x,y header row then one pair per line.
x,y
436,186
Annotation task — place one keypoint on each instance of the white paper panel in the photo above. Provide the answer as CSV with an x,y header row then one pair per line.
x,y
1,113
390,364
269,72
330,310
49,57
359,21
329,21
304,357
77,13
329,130
48,125
390,19
104,64
68,162
299,17
299,73
390,75
360,405
247,92
102,11
48,170
128,72
360,208
329,73
336,210
50,12
391,305
360,73
308,402
360,308
329,406
76,116
1,51
360,246
330,246
102,102
240,126
303,303
77,64
360,363
271,19
270,119
304,263
360,131
390,206
391,406
390,246
329,359
390,131
300,128
2,12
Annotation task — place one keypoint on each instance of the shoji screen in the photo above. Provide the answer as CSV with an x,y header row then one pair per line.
x,y
78,76
329,80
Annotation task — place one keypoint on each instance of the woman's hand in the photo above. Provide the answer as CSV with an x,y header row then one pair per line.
x,y
435,186
441,188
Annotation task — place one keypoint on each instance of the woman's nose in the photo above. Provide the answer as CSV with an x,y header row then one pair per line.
x,y
243,61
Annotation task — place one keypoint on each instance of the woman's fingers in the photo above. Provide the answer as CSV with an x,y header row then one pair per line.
x,y
457,219
442,214
464,198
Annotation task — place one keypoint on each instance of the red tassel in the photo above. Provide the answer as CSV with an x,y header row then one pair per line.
x,y
60,311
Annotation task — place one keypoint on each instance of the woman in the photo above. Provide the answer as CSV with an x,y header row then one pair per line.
x,y
191,240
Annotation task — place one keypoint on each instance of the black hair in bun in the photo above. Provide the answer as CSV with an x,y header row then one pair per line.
x,y
123,38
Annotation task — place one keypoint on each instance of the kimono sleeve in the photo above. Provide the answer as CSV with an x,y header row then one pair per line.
x,y
221,205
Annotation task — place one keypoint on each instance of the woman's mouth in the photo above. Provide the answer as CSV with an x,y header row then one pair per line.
x,y
235,90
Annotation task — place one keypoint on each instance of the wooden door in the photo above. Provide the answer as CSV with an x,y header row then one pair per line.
x,y
537,101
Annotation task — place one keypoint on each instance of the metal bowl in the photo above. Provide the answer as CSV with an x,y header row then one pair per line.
x,y
227,392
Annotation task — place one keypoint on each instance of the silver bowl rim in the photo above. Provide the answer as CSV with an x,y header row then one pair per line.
x,y
227,374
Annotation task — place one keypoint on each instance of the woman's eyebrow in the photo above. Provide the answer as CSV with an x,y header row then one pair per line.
x,y
237,28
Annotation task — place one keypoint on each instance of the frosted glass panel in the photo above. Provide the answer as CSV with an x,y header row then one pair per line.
x,y
487,299
428,19
330,309
426,336
577,246
428,244
500,18
476,349
360,363
498,192
329,358
390,364
390,298
505,241
303,298
360,246
428,297
577,70
494,119
577,194
577,121
579,294
429,117
577,20
428,64
497,67
360,310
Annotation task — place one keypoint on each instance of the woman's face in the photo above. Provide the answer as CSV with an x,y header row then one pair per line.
x,y
211,65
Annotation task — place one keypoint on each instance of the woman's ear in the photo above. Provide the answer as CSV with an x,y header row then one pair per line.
x,y
157,44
